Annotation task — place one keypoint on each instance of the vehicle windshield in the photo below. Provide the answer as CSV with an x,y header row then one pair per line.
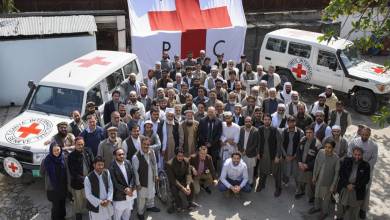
x,y
350,57
54,100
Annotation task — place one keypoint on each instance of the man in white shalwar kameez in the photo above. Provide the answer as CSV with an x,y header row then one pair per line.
x,y
230,136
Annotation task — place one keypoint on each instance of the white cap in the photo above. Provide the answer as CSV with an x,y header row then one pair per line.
x,y
148,122
178,74
202,51
336,127
169,110
329,87
281,105
214,67
227,114
158,63
260,66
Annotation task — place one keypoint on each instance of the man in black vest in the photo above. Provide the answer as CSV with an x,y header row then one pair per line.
x,y
122,175
99,191
111,106
133,143
210,131
306,154
77,125
321,129
170,134
291,136
340,117
352,186
146,176
269,155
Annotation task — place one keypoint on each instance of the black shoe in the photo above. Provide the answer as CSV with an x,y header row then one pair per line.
x,y
141,217
79,216
207,189
362,214
278,192
311,200
192,205
153,209
299,195
313,210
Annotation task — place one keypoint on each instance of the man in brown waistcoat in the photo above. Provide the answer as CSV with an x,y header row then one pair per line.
x,y
190,133
203,171
146,176
340,117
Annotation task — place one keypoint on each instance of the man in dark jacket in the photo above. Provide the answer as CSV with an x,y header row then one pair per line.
x,y
306,155
180,181
111,106
122,176
79,164
203,172
248,146
210,131
354,177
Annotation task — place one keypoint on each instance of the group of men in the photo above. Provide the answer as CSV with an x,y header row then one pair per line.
x,y
223,125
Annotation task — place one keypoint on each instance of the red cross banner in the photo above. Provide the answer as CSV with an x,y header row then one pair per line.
x,y
182,26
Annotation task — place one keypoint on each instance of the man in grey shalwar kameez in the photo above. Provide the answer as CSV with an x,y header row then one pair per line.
x,y
146,175
325,176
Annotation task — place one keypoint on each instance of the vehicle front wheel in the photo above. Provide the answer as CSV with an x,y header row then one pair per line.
x,y
364,102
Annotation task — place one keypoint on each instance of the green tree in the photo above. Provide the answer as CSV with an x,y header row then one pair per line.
x,y
374,17
8,6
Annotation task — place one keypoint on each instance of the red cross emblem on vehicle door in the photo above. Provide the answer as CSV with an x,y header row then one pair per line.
x,y
26,131
299,70
191,21
93,61
13,167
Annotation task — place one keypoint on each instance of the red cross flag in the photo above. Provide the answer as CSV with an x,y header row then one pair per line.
x,y
182,26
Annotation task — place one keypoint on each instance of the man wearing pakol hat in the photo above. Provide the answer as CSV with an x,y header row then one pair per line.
x,y
64,139
170,134
341,147
320,106
90,109
279,118
109,145
190,132
129,85
230,136
331,98
370,149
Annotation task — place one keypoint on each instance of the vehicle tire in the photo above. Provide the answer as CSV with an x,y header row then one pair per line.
x,y
285,76
162,187
364,101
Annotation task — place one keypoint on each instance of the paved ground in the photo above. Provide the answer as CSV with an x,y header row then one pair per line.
x,y
24,198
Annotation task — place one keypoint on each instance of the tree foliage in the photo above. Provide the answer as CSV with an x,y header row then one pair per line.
x,y
373,17
8,6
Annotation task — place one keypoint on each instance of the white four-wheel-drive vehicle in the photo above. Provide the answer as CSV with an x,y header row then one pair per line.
x,y
92,77
299,56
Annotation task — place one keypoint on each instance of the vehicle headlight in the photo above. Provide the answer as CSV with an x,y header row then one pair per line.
x,y
38,157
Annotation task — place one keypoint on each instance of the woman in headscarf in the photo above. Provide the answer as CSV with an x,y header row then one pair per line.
x,y
53,168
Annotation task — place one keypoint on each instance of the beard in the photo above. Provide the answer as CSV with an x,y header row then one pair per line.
x,y
63,134
189,122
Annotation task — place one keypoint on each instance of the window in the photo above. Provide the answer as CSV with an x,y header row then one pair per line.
x,y
95,95
54,100
114,80
300,50
130,68
326,59
276,45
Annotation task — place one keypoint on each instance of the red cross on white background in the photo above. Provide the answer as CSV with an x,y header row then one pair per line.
x,y
378,70
26,131
13,167
299,71
90,62
191,21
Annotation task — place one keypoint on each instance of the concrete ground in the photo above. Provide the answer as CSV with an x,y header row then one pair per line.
x,y
23,199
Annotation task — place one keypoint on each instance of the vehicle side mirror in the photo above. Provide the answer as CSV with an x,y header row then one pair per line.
x,y
31,84
333,66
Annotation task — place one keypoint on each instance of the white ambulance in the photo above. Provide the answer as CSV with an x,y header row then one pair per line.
x,y
91,77
299,56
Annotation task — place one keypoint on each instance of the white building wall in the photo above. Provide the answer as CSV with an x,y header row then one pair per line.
x,y
32,59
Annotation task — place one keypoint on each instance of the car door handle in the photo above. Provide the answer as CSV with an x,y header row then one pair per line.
x,y
268,58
